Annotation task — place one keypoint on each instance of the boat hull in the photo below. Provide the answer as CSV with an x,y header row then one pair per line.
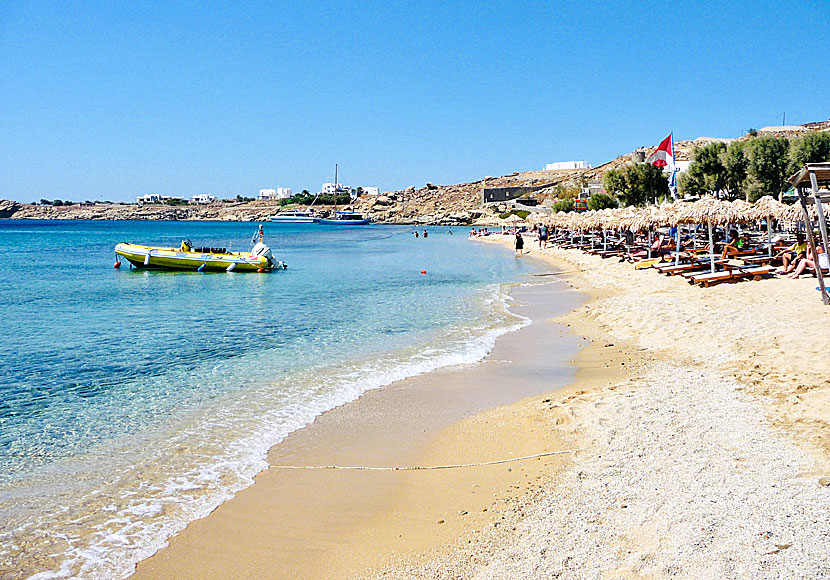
x,y
293,218
344,222
154,258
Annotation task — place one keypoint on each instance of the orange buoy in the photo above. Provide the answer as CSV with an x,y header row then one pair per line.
x,y
259,269
117,264
423,271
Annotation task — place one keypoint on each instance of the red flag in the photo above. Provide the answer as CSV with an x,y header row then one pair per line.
x,y
665,153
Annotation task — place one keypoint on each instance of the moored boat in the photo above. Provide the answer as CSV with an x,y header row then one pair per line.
x,y
187,257
346,218
294,217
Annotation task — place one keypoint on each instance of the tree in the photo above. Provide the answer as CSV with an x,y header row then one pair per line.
x,y
652,182
768,166
690,183
636,184
735,165
601,201
809,148
614,182
563,205
706,173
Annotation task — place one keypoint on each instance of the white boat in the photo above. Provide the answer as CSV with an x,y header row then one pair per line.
x,y
346,218
294,217
343,218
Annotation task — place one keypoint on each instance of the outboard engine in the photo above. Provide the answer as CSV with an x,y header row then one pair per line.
x,y
260,249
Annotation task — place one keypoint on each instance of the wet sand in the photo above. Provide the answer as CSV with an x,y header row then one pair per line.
x,y
343,523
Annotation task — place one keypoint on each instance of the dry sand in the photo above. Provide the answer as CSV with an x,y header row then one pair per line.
x,y
711,459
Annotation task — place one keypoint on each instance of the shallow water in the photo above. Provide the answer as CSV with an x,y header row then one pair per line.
x,y
132,402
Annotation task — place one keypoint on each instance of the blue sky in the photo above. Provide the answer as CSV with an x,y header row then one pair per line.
x,y
112,100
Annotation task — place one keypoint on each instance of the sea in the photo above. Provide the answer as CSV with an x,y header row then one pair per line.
x,y
133,402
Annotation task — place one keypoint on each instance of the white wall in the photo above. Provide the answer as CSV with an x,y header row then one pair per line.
x,y
567,165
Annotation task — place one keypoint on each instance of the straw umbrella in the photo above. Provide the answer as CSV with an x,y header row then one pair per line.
x,y
767,208
512,219
711,211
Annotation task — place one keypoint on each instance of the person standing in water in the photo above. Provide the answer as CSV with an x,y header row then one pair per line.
x,y
520,243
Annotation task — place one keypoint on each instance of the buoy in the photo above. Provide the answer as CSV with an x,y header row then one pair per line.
x,y
259,270
201,268
147,259
423,271
231,267
117,264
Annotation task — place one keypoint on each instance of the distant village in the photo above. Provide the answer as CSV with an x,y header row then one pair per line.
x,y
267,194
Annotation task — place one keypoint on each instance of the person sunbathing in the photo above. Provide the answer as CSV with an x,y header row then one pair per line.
x,y
656,251
730,248
808,262
793,254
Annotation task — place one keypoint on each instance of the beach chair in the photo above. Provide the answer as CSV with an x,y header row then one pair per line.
x,y
731,273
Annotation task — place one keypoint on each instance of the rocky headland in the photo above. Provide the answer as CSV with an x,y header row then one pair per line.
x,y
457,204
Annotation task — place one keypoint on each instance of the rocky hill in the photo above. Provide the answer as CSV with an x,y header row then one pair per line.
x,y
458,204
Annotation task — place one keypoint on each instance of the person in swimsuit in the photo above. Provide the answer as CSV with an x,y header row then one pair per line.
x,y
520,244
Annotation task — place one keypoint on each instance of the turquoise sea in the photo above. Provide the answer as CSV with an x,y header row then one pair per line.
x,y
132,402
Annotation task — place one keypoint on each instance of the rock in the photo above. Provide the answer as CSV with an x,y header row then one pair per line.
x,y
382,200
824,481
431,186
8,208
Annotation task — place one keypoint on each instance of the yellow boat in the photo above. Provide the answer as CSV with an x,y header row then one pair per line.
x,y
186,257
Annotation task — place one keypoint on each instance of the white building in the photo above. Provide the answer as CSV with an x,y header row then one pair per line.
x,y
203,199
328,188
278,193
371,191
149,198
559,165
682,166
156,198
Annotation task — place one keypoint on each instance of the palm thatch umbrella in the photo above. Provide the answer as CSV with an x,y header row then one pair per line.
x,y
709,210
512,219
767,208
486,221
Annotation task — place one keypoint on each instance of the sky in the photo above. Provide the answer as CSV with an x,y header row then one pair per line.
x,y
112,100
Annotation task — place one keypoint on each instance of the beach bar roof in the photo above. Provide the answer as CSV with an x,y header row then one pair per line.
x,y
814,175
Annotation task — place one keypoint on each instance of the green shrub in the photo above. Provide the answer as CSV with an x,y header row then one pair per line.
x,y
519,212
601,201
563,205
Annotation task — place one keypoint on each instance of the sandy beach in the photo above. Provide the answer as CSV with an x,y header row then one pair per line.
x,y
694,431
708,460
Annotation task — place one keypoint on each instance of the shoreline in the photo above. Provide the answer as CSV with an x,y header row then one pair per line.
x,y
708,457
296,520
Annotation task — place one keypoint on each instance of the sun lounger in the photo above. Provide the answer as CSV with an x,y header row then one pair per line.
x,y
689,267
731,273
758,260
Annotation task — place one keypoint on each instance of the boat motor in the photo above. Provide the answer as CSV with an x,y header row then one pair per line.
x,y
260,249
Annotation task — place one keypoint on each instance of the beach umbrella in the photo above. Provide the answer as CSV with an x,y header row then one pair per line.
x,y
767,208
712,211
512,219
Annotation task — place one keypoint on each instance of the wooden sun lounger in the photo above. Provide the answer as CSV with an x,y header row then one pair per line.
x,y
735,273
758,260
689,267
